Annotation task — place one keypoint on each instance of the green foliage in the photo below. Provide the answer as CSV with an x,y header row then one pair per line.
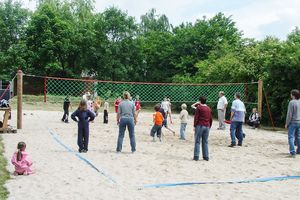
x,y
67,38
4,174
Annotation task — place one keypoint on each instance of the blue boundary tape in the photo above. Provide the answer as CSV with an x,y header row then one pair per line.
x,y
268,179
101,171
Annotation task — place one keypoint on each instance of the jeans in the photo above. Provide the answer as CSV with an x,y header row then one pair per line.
x,y
236,127
83,136
292,128
182,130
201,135
105,117
129,123
66,115
156,129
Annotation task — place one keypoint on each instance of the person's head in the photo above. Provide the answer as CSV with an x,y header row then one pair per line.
x,y
21,147
295,94
183,106
126,95
157,107
165,98
254,110
221,93
237,95
137,97
202,99
82,105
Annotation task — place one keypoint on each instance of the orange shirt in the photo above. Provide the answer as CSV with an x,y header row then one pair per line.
x,y
158,118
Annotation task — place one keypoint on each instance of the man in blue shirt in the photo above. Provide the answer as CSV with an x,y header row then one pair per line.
x,y
238,111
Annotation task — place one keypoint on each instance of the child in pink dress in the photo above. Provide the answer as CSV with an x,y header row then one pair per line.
x,y
21,161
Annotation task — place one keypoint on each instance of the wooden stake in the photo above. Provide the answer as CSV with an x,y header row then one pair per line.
x,y
260,97
20,94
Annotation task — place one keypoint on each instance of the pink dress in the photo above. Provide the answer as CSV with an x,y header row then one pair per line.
x,y
24,166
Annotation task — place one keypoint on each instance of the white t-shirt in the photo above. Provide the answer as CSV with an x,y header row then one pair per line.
x,y
165,105
222,102
184,116
106,106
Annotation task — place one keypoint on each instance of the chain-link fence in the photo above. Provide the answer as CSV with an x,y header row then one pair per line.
x,y
148,92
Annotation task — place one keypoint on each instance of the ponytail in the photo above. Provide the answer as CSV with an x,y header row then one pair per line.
x,y
19,155
21,147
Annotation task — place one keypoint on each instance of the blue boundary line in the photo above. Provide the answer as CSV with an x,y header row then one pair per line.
x,y
101,171
268,179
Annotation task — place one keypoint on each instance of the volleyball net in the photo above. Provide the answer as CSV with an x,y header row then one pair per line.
x,y
59,88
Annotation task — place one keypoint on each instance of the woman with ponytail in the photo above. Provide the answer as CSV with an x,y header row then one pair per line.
x,y
21,161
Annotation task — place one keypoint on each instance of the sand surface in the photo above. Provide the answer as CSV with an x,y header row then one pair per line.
x,y
60,174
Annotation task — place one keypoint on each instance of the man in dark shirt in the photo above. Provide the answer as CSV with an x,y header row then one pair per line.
x,y
202,124
66,106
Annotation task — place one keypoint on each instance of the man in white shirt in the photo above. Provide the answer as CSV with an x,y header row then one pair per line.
x,y
222,105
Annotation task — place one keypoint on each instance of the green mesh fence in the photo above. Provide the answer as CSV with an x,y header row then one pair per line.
x,y
148,92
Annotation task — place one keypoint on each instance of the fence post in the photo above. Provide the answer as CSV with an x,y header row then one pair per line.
x,y
45,90
260,97
19,93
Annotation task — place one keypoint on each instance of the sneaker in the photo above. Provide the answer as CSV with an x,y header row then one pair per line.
x,y
206,158
196,158
160,139
133,151
232,145
240,145
84,151
244,135
118,151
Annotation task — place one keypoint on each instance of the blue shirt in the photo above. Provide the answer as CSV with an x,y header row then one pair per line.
x,y
239,110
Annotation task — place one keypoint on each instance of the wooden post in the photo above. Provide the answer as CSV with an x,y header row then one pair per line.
x,y
45,90
260,97
19,93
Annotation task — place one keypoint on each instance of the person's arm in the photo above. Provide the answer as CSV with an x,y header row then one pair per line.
x,y
289,115
196,117
14,159
134,114
210,120
91,116
119,114
225,103
74,115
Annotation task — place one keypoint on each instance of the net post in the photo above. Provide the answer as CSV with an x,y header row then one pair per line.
x,y
45,90
20,94
260,97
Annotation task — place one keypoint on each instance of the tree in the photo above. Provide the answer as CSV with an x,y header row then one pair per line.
x,y
13,21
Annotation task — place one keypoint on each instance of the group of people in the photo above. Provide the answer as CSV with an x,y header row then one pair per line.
x,y
127,112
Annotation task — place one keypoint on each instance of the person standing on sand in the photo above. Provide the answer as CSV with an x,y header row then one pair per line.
x,y
221,107
237,118
202,124
126,117
293,122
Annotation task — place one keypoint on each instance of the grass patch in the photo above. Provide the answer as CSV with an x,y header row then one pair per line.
x,y
4,174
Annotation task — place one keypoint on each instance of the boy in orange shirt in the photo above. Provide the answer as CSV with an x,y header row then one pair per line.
x,y
158,121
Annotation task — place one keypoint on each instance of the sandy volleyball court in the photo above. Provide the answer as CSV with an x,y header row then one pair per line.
x,y
62,175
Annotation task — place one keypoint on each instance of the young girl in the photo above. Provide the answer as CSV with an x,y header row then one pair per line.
x,y
105,112
158,121
138,106
183,119
21,161
83,116
117,102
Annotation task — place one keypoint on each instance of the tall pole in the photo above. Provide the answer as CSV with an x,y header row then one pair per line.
x,y
45,90
260,97
19,93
